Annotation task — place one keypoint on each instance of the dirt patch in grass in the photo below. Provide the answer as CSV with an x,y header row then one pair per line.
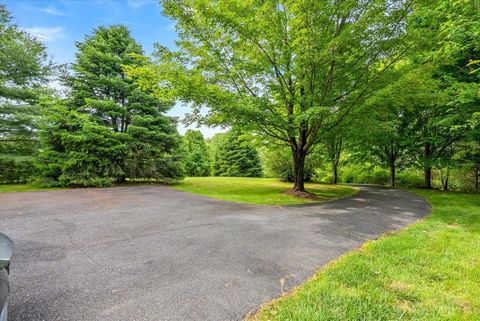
x,y
298,194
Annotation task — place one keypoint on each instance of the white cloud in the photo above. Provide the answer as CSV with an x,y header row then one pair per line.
x,y
140,3
46,34
52,11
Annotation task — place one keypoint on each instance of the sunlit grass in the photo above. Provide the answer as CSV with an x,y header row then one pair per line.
x,y
259,190
429,271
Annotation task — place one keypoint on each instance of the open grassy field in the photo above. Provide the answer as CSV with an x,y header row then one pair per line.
x,y
259,190
429,271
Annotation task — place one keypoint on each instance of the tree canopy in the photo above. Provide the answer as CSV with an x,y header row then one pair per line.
x,y
326,88
291,71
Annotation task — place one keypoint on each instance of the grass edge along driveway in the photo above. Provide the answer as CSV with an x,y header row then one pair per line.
x,y
267,191
428,271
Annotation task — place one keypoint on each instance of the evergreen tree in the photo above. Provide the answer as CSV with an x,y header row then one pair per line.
x,y
76,150
237,157
24,67
197,161
130,134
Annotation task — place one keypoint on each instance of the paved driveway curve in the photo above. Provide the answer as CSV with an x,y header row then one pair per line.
x,y
153,253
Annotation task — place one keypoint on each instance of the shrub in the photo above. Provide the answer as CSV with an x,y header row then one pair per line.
x,y
16,170
278,163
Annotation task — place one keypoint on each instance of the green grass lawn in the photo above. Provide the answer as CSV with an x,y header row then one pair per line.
x,y
259,190
429,271
7,188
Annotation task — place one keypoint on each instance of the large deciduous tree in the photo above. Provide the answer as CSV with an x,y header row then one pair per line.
x,y
290,70
447,39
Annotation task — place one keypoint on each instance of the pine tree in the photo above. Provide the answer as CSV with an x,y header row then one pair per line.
x,y
101,89
237,157
24,67
76,150
131,134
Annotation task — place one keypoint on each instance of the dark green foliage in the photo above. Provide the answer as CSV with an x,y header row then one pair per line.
x,y
110,129
24,67
99,84
197,160
15,170
237,157
153,150
77,151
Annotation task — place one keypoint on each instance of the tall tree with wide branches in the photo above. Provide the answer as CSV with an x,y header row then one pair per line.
x,y
288,69
447,42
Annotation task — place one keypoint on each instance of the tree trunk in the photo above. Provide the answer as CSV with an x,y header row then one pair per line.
x,y
334,150
445,178
121,180
299,170
428,177
427,167
477,178
445,184
334,173
393,171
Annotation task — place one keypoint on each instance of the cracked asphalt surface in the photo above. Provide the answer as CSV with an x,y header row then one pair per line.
x,y
151,253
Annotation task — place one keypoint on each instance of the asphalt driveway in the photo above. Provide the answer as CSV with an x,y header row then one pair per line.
x,y
153,253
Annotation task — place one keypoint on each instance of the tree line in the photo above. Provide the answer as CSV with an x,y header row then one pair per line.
x,y
320,86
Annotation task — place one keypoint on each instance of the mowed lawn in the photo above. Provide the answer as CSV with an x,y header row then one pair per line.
x,y
259,190
429,271
9,188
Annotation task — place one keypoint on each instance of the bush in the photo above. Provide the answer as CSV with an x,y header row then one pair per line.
x,y
16,170
278,163
376,176
410,178
370,174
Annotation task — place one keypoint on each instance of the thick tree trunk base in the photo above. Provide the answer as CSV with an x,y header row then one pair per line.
x,y
299,171
121,180
300,194
428,178
392,176
334,174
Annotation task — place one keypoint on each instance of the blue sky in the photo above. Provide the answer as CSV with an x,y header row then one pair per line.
x,y
60,23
